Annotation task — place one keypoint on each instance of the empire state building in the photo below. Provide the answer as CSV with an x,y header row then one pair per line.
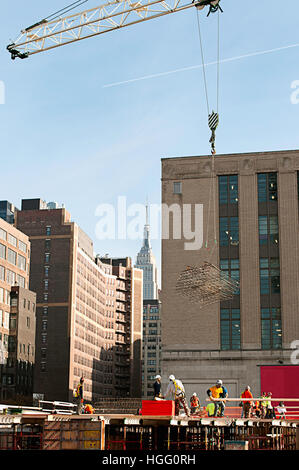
x,y
147,262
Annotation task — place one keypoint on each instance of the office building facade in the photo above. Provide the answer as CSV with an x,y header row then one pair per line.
x,y
254,213
151,346
76,307
17,316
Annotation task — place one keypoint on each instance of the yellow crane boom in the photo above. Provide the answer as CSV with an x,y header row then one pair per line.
x,y
46,35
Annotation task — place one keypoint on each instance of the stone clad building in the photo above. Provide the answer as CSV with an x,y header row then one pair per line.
x,y
254,214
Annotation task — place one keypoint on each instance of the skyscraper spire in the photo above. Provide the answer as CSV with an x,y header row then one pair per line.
x,y
146,232
147,262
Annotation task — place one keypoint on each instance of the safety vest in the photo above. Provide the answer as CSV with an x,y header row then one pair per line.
x,y
210,408
89,409
178,389
194,401
76,391
216,391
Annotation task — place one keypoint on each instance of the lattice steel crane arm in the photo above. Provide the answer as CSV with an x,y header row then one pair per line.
x,y
116,14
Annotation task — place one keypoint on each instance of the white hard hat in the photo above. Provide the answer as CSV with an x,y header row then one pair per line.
x,y
158,377
219,382
194,394
171,377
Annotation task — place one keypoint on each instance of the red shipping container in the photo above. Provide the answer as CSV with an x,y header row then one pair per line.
x,y
158,408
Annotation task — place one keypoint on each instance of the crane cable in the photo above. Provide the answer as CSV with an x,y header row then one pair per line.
x,y
213,123
57,14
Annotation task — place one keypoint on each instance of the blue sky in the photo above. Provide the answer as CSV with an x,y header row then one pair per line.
x,y
66,136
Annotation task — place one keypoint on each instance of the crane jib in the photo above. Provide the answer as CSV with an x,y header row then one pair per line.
x,y
54,31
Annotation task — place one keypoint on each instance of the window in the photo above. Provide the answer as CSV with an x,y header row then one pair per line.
x,y
267,187
28,322
229,231
230,328
43,353
22,247
177,188
47,245
228,189
268,229
10,277
46,271
47,257
44,338
6,320
3,234
22,262
2,273
11,256
12,240
2,251
48,230
271,328
12,322
231,267
21,281
269,276
14,301
46,284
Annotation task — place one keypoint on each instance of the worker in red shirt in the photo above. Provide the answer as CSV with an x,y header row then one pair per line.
x,y
248,403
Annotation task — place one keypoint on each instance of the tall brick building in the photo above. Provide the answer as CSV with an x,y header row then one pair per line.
x,y
76,308
17,315
256,218
151,345
128,325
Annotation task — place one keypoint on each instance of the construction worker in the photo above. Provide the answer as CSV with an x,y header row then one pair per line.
x,y
157,387
281,410
210,409
216,392
263,405
248,403
270,412
88,409
257,409
78,394
176,391
194,404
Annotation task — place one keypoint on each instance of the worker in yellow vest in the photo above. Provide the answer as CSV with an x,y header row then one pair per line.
x,y
78,395
216,392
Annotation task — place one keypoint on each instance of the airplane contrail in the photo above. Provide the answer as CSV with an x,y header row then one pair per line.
x,y
192,67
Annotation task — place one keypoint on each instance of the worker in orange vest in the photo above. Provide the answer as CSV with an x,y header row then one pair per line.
x,y
194,403
88,409
248,403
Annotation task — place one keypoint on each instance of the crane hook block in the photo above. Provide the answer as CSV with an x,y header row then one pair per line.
x,y
213,124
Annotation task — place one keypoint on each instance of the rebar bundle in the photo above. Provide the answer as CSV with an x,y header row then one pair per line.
x,y
206,284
